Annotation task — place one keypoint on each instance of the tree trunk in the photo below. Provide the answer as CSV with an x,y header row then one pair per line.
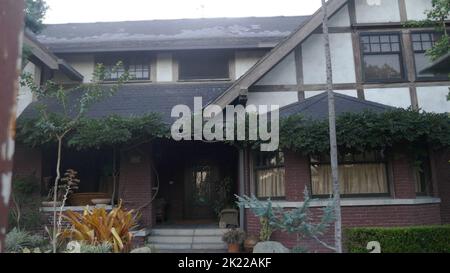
x,y
55,193
11,25
333,141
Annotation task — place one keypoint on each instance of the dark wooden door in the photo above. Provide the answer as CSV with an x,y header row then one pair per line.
x,y
200,183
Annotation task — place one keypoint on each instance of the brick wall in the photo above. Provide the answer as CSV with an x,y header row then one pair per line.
x,y
442,167
136,182
298,175
370,216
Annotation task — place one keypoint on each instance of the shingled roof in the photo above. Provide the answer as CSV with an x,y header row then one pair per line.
x,y
248,32
317,107
141,99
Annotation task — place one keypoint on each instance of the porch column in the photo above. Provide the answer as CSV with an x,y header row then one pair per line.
x,y
136,183
241,179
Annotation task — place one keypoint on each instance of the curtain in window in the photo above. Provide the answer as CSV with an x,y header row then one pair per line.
x,y
354,179
270,182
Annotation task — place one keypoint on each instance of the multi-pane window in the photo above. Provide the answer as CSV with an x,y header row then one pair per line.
x,y
206,65
269,174
138,67
421,43
382,58
359,174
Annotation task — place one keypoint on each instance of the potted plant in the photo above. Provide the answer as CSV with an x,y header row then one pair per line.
x,y
250,243
234,238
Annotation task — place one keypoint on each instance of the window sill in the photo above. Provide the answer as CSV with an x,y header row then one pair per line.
x,y
363,202
77,208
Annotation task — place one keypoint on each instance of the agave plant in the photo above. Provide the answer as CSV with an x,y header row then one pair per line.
x,y
97,226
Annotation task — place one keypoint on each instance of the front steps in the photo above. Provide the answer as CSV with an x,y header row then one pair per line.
x,y
187,240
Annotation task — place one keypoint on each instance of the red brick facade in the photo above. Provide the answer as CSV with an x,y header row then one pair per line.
x,y
136,183
297,176
27,161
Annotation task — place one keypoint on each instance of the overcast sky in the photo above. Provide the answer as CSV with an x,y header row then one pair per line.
x,y
75,11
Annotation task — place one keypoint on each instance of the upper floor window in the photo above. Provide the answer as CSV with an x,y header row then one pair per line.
x,y
269,174
210,65
421,43
382,58
137,66
359,174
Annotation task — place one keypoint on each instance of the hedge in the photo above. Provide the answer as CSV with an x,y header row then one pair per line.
x,y
422,239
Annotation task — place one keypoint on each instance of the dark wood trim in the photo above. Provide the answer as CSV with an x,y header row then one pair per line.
x,y
403,13
408,55
344,86
334,30
357,59
299,72
360,93
352,12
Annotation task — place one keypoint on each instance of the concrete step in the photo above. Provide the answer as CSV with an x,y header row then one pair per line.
x,y
172,232
221,246
207,239
159,247
170,239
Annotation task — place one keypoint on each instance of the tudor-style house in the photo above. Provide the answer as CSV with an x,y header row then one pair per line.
x,y
377,64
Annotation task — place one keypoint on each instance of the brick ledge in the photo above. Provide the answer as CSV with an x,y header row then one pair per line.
x,y
363,202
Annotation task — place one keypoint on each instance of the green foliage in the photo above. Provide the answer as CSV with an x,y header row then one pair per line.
x,y
234,236
35,11
24,212
426,239
297,221
18,240
100,248
359,132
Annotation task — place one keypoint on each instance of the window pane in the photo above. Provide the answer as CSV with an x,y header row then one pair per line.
x,y
205,65
382,67
270,183
422,62
375,47
353,178
395,47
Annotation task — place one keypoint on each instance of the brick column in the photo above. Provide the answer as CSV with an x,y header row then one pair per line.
x,y
136,182
442,169
402,172
297,175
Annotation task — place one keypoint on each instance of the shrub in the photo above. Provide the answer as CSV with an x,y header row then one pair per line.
x,y
19,240
101,248
97,226
424,239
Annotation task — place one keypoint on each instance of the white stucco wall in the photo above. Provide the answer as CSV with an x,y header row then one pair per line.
x,y
164,67
341,18
313,52
397,97
244,60
351,93
433,99
415,9
280,99
377,11
25,96
282,73
83,63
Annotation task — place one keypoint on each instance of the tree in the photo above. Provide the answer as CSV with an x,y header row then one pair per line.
x,y
56,126
333,141
35,11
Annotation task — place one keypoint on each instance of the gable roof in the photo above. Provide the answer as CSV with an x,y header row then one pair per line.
x,y
140,99
277,54
317,107
247,32
40,54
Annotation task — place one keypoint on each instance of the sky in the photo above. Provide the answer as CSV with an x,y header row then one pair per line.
x,y
77,11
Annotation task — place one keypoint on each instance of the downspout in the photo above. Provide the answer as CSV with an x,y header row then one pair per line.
x,y
241,186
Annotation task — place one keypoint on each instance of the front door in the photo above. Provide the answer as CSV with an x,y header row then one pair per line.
x,y
200,184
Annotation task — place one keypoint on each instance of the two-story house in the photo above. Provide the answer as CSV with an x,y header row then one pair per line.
x,y
377,63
